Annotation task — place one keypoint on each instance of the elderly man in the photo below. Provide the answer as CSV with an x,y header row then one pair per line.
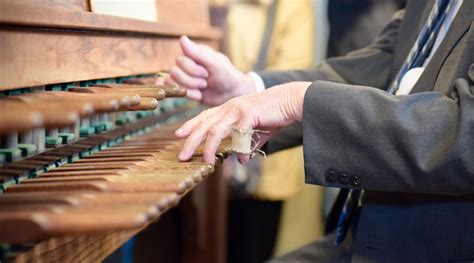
x,y
395,119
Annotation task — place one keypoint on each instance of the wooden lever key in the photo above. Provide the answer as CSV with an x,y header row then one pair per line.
x,y
151,93
22,120
170,90
53,116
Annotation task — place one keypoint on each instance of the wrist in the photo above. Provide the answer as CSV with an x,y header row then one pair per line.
x,y
299,92
245,85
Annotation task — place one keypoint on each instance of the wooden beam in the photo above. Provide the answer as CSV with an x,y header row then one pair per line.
x,y
48,15
34,58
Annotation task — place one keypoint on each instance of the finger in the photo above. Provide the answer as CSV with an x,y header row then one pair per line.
x,y
194,94
197,136
260,140
178,75
200,127
200,54
190,146
170,81
189,125
208,116
191,68
160,81
213,141
245,124
215,134
243,158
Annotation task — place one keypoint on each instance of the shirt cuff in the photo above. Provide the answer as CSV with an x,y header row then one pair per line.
x,y
259,85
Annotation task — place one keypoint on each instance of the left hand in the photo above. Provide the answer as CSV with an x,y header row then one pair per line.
x,y
208,75
269,110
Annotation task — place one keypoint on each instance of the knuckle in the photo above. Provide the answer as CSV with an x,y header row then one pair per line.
x,y
174,72
180,60
213,131
169,81
237,109
238,104
200,116
208,151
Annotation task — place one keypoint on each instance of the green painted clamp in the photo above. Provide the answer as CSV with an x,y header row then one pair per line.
x,y
144,114
86,131
166,105
102,126
122,120
10,155
27,149
53,141
67,137
5,182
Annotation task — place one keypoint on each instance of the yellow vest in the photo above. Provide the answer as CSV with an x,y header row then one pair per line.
x,y
291,47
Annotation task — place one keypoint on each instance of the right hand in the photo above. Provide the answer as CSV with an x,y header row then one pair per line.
x,y
208,75
269,110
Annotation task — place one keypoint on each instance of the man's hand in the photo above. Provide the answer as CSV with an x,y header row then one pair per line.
x,y
208,75
269,110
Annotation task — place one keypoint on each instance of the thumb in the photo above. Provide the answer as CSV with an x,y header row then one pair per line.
x,y
199,53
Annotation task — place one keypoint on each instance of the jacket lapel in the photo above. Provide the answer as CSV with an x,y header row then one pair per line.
x,y
415,17
458,28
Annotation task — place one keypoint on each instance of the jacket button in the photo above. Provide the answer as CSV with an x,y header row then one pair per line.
x,y
343,178
330,176
356,181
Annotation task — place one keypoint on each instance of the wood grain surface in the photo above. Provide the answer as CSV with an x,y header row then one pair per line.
x,y
170,90
34,58
45,13
45,42
83,248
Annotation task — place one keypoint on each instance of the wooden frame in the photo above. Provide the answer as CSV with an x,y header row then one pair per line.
x,y
35,57
43,13
46,42
49,44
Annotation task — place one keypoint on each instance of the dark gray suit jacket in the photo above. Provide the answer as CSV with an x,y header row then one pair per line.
x,y
413,154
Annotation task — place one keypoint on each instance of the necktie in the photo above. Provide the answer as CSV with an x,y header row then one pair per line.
x,y
417,55
423,44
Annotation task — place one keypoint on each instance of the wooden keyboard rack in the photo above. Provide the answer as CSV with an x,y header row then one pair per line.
x,y
68,84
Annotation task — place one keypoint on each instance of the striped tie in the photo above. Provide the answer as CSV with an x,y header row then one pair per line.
x,y
423,44
415,58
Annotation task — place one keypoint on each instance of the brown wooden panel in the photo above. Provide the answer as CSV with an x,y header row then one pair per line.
x,y
40,58
183,12
92,248
80,5
51,15
204,213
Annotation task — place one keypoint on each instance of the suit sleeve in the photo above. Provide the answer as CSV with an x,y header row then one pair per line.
x,y
288,137
360,137
369,66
